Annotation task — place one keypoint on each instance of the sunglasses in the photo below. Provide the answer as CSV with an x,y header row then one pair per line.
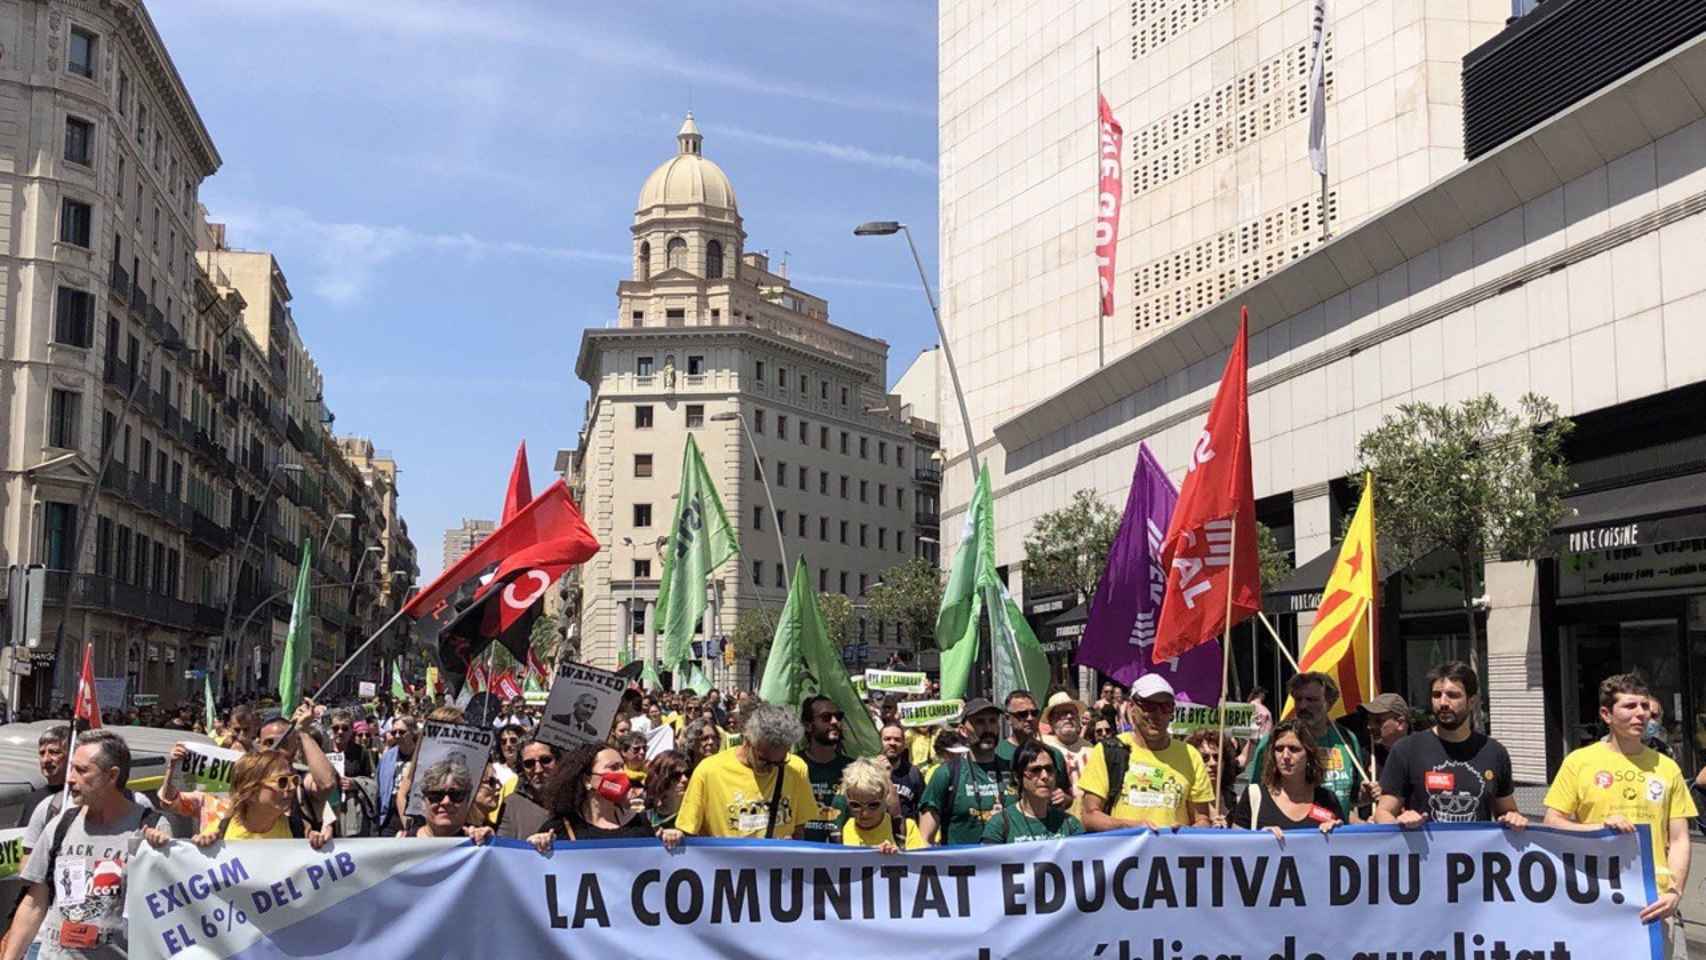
x,y
492,783
864,804
827,717
340,728
284,782
440,796
535,763
1155,706
1039,770
1024,714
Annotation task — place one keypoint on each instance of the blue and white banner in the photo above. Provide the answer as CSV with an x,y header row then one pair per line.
x,y
1460,892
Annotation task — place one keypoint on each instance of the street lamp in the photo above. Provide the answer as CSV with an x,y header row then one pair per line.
x,y
172,344
327,539
225,636
775,521
884,228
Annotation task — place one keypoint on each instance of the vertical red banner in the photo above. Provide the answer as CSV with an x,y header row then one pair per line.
x,y
1108,194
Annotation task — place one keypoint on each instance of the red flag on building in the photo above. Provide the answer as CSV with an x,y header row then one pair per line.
x,y
87,707
520,492
1211,543
1109,191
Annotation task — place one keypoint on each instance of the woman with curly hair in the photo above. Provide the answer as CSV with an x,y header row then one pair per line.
x,y
588,799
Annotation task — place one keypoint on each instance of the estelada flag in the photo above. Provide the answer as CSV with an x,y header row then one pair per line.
x,y
1210,547
512,568
86,707
1341,644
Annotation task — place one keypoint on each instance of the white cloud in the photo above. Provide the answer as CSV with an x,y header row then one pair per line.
x,y
460,21
343,258
839,151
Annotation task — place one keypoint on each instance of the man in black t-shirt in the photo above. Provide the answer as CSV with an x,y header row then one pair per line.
x,y
1449,773
824,764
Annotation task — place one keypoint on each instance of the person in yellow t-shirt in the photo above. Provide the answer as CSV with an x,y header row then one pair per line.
x,y
729,794
873,809
263,788
1164,784
1620,782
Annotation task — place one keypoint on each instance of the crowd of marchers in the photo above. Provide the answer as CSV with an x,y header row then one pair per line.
x,y
679,765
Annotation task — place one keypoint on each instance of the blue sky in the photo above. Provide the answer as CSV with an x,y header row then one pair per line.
x,y
448,187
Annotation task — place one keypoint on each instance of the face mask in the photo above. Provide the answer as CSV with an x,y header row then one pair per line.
x,y
614,786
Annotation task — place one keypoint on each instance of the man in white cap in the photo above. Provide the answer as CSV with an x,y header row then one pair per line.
x,y
1065,718
1146,778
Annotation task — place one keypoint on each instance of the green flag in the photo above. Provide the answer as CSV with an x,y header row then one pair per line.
x,y
803,663
299,640
398,690
623,655
957,618
696,679
649,675
207,697
700,540
1020,663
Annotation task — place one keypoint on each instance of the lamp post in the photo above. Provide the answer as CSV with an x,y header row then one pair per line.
x,y
326,540
173,344
883,228
225,636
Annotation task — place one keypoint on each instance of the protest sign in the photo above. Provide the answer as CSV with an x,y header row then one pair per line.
x,y
1240,719
896,681
582,706
337,762
1448,892
930,713
11,852
207,769
859,689
459,743
367,688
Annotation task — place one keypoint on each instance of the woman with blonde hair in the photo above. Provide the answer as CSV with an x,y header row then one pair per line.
x,y
873,811
263,791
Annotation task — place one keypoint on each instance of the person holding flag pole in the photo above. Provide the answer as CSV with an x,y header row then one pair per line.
x,y
701,540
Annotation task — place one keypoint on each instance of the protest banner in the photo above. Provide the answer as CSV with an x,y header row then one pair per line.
x,y
207,768
582,706
366,689
896,681
1188,718
859,689
930,713
11,852
459,743
1448,892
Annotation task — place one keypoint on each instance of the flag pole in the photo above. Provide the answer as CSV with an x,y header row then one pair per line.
x,y
1275,634
1096,163
1225,668
356,654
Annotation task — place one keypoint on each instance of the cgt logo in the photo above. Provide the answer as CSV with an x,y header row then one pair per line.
x,y
1602,779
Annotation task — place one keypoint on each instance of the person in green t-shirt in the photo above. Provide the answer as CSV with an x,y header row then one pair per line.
x,y
965,792
1313,696
824,765
1022,716
1034,815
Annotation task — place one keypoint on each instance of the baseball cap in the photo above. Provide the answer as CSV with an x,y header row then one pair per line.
x,y
1386,703
1152,685
975,706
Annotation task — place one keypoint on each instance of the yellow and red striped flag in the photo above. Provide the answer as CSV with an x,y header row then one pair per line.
x,y
1341,644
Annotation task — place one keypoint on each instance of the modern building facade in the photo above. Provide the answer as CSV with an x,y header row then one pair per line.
x,y
706,336
460,541
1565,258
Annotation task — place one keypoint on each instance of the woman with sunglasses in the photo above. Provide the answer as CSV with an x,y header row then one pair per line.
x,y
263,807
1290,794
702,739
446,789
589,800
873,818
524,812
666,784
1033,816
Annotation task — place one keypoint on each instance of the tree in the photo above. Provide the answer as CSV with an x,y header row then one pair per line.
x,y
545,636
908,595
1068,547
755,628
1475,479
1274,562
837,613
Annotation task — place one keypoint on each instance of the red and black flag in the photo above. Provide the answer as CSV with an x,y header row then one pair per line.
x,y
500,579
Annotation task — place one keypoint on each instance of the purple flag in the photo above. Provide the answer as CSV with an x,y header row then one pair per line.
x,y
1127,605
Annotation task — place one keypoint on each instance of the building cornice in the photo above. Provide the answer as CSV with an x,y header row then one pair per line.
x,y
631,336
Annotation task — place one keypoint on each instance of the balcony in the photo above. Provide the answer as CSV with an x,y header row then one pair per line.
x,y
928,474
207,531
119,284
139,300
333,614
157,322
292,432
927,518
91,591
230,407
234,347
117,375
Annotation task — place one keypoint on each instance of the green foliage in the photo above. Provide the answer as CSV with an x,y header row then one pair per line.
x,y
837,613
1275,563
909,595
755,628
1068,547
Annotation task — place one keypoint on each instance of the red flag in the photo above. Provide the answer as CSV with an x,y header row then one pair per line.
x,y
1109,191
1211,543
505,686
520,485
537,669
477,678
86,707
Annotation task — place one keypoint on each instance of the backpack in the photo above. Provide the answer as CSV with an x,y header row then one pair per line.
x,y
1117,756
150,818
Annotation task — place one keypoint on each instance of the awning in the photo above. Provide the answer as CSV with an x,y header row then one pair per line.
x,y
1302,590
1065,630
1078,614
1673,508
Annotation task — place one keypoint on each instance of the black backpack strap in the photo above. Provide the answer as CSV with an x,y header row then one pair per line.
x,y
775,802
1117,759
60,832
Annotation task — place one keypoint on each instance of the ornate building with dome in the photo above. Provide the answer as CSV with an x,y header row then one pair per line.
x,y
705,329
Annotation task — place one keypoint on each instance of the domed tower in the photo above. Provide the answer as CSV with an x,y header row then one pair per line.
x,y
686,219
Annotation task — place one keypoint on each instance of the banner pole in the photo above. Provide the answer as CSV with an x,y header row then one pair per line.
x,y
1373,761
1225,670
356,655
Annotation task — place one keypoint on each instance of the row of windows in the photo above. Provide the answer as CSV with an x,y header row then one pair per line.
x,y
843,581
130,556
803,475
760,369
803,528
760,419
82,59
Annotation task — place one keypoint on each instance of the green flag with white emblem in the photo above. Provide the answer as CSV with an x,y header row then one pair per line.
x,y
700,540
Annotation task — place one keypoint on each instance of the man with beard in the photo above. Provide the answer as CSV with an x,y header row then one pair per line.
x,y
1146,778
1313,696
824,764
963,793
1449,773
405,735
1022,717
908,782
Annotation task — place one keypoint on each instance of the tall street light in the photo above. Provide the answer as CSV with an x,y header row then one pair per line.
x,y
231,579
326,540
884,228
174,345
771,499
